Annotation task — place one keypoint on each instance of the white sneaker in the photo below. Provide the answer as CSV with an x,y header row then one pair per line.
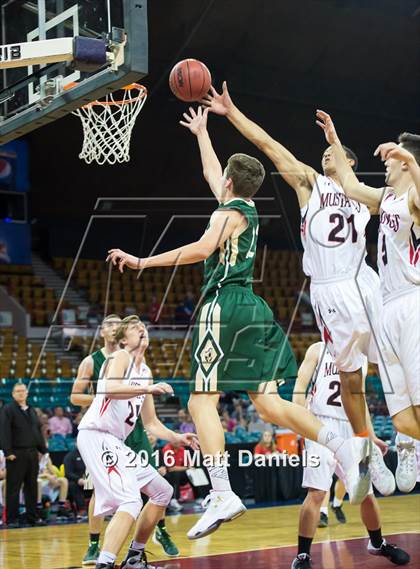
x,y
220,507
406,474
175,505
354,456
382,477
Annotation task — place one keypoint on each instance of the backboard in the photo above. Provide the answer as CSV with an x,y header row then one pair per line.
x,y
34,95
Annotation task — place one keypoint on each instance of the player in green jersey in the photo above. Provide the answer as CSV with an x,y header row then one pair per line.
x,y
83,392
237,345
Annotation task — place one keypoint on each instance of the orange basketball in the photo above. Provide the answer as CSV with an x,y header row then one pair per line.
x,y
189,80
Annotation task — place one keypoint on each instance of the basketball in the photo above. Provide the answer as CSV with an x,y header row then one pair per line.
x,y
190,80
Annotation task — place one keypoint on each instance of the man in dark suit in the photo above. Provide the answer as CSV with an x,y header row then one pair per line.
x,y
21,440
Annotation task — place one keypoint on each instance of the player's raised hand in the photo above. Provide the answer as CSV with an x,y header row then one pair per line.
x,y
122,259
326,123
219,103
161,388
195,121
189,440
392,150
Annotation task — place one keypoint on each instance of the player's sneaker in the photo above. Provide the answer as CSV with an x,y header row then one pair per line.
x,y
353,456
323,520
137,561
382,477
302,561
92,554
220,507
162,537
339,514
391,552
406,473
104,566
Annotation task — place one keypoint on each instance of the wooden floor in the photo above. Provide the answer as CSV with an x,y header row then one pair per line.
x,y
263,538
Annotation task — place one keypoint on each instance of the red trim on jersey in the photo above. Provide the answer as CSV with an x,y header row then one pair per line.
x,y
104,406
414,245
113,469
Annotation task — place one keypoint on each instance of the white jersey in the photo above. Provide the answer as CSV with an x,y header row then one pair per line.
x,y
398,247
325,396
332,232
116,416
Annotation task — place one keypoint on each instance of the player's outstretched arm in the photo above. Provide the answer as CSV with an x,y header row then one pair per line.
x,y
196,122
81,385
153,425
115,372
222,226
305,373
297,174
392,150
353,189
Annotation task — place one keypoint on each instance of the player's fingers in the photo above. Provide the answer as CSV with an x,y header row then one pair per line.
x,y
187,117
378,149
213,91
321,124
187,124
206,112
224,86
192,111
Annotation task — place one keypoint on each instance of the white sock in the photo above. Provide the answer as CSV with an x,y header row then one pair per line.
x,y
337,503
106,557
324,510
329,439
219,478
137,545
401,438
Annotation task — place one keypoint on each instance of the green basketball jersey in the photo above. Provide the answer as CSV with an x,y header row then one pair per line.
x,y
233,262
98,360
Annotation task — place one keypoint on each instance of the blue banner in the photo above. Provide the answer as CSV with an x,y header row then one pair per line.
x,y
14,174
15,244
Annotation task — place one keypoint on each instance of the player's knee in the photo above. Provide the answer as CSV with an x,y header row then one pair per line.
x,y
315,497
163,494
405,424
132,508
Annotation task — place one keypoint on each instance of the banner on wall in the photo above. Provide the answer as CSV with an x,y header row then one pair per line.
x,y
15,244
14,174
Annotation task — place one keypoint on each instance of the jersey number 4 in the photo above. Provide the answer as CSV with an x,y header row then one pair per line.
x,y
134,411
339,220
335,386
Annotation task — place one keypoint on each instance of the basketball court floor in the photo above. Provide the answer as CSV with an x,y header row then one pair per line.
x,y
262,539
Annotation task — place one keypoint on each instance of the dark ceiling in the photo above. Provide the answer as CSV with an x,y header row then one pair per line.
x,y
358,59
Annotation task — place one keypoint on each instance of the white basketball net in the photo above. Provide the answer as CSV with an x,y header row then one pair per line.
x,y
107,125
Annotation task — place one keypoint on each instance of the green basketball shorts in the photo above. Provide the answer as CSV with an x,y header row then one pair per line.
x,y
237,345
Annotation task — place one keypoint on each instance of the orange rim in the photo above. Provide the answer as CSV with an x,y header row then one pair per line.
x,y
133,86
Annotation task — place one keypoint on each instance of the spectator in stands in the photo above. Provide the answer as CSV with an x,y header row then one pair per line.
x,y
229,422
257,425
76,422
21,441
75,469
51,484
2,483
187,426
153,309
185,309
59,424
266,444
4,255
306,317
174,457
182,417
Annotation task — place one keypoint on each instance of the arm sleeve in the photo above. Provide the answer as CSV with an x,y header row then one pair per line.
x,y
6,431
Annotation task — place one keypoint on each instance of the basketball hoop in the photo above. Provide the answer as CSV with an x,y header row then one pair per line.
x,y
108,123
